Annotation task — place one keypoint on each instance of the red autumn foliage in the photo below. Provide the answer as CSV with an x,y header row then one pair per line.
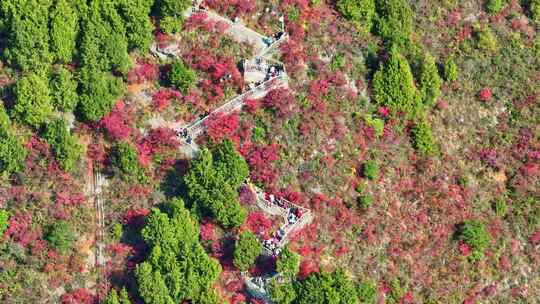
x,y
307,267
78,296
280,100
143,71
220,126
534,239
464,248
260,159
118,249
485,95
259,224
162,98
116,122
235,7
207,231
135,217
66,198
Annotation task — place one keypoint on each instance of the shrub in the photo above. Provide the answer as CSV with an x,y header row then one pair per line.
x,y
246,250
367,292
326,287
282,292
182,77
486,40
99,92
535,10
63,30
338,62
126,160
364,201
370,169
288,263
12,154
65,146
64,90
450,70
376,123
171,13
500,207
33,103
423,139
393,85
494,6
430,82
475,234
394,24
60,236
360,12
4,220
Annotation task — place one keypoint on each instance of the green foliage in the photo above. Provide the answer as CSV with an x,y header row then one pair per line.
x,y
138,25
171,14
288,263
230,164
99,92
282,293
430,82
126,159
246,250
364,201
211,192
65,146
64,90
104,44
338,62
28,34
495,6
64,29
117,231
124,298
500,207
423,139
360,12
475,234
376,123
394,24
535,10
485,39
33,100
370,169
4,221
450,70
178,269
12,154
326,287
393,85
112,297
182,77
367,292
60,236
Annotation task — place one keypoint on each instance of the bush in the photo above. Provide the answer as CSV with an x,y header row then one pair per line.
x,y
99,93
376,123
246,250
326,287
494,6
126,160
430,82
65,146
486,40
64,90
171,13
370,169
63,30
359,12
450,70
338,62
33,104
211,187
500,207
394,24
281,292
60,236
393,85
423,139
12,154
367,292
288,263
535,10
364,201
182,77
4,220
475,234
